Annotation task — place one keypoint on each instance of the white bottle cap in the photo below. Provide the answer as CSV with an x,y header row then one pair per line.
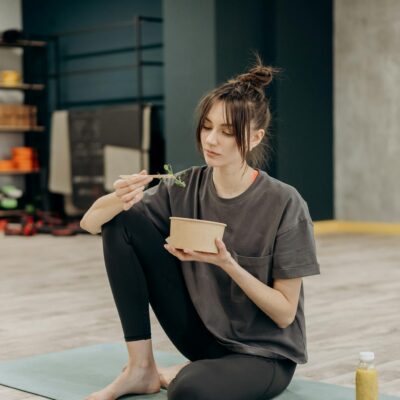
x,y
367,356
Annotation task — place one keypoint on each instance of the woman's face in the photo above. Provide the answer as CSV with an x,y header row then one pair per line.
x,y
217,137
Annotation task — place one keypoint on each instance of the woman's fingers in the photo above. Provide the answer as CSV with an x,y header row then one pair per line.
x,y
129,196
180,254
127,205
136,180
120,184
127,191
172,251
130,190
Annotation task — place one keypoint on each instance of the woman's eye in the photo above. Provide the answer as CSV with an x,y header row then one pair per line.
x,y
208,128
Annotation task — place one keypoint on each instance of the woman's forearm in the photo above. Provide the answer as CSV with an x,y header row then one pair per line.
x,y
102,210
271,301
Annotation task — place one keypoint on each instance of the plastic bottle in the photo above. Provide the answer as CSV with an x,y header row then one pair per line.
x,y
366,377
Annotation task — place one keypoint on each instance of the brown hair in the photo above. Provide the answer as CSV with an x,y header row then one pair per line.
x,y
245,103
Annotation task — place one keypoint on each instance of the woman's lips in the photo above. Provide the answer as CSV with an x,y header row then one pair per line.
x,y
211,153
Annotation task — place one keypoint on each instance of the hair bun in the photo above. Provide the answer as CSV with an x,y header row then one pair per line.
x,y
259,75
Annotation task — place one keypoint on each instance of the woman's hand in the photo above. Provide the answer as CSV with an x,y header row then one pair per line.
x,y
221,259
130,191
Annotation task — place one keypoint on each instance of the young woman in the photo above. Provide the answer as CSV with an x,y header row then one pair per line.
x,y
238,315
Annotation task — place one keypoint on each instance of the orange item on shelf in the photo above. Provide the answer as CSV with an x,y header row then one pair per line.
x,y
7,165
25,158
23,150
18,150
24,167
3,223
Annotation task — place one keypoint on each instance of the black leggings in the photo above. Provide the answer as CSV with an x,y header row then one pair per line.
x,y
140,271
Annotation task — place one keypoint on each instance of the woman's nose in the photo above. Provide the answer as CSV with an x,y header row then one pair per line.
x,y
211,138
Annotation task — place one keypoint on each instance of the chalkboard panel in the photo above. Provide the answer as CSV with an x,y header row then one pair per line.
x,y
121,126
89,131
87,171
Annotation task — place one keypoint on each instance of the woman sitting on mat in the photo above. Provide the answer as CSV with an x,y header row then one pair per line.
x,y
238,315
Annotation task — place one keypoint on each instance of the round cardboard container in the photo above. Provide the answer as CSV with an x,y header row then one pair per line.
x,y
195,234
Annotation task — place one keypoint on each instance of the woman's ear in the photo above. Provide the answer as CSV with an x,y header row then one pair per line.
x,y
256,138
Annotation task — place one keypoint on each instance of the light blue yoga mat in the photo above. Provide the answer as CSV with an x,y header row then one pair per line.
x,y
74,374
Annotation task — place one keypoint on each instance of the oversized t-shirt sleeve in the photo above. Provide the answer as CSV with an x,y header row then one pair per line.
x,y
294,252
155,205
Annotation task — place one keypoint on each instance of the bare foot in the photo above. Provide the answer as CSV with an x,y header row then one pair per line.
x,y
132,381
168,374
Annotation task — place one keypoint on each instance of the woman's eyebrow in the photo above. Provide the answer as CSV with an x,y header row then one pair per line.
x,y
208,120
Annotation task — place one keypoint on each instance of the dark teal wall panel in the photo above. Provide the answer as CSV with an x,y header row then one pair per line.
x,y
209,42
241,29
190,72
46,17
305,101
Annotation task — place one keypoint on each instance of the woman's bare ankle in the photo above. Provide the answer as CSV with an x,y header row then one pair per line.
x,y
141,355
145,368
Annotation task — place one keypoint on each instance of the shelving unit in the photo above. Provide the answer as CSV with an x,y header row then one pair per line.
x,y
34,86
49,91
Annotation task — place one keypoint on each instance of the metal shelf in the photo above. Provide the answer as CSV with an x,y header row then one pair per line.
x,y
36,171
105,69
138,47
11,129
34,86
108,52
24,43
23,86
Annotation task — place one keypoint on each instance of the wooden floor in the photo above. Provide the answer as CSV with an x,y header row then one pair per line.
x,y
54,295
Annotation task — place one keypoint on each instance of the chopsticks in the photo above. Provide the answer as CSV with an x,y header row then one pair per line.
x,y
159,176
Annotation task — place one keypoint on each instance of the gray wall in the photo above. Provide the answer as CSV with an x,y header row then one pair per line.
x,y
10,17
367,117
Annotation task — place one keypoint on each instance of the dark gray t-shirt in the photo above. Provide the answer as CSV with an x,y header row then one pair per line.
x,y
269,233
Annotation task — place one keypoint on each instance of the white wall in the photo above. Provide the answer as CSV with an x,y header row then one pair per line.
x,y
367,110
10,17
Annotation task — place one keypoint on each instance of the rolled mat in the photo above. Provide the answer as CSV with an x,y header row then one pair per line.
x,y
74,374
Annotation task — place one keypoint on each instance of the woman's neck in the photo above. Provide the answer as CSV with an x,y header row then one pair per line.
x,y
232,181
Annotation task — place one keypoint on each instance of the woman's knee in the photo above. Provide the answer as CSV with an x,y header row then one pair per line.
x,y
186,389
191,383
123,218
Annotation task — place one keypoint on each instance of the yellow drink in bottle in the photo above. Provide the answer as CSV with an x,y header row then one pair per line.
x,y
366,377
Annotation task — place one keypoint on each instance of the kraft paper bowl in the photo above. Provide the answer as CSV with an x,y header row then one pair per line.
x,y
195,234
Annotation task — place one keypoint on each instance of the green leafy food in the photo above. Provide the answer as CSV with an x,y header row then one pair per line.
x,y
177,180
